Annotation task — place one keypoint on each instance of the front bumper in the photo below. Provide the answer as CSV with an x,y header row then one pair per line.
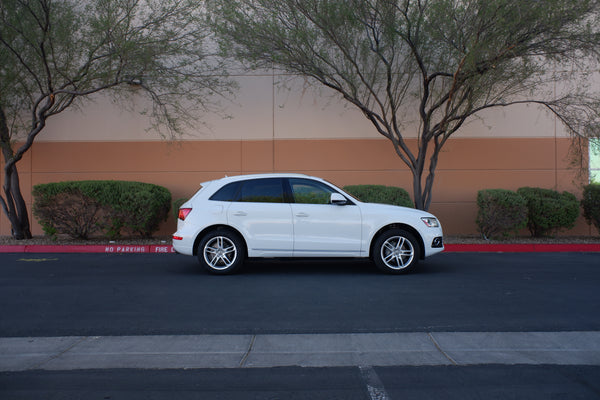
x,y
438,242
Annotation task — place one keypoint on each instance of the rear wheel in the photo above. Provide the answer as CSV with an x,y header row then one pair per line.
x,y
221,252
396,251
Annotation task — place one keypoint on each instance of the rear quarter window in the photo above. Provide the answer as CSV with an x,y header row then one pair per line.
x,y
226,193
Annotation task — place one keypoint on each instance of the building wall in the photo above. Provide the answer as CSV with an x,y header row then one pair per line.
x,y
466,166
293,128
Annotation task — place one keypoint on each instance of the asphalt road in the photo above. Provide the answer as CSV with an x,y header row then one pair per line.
x,y
71,294
114,295
487,382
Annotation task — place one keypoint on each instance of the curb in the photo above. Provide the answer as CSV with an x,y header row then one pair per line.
x,y
304,350
168,249
523,248
110,248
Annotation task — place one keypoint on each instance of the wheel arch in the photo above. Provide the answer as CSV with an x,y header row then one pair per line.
x,y
405,227
212,228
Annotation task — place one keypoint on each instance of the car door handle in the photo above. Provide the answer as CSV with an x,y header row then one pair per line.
x,y
301,215
239,214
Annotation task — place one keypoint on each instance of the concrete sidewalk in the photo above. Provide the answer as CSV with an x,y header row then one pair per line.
x,y
307,350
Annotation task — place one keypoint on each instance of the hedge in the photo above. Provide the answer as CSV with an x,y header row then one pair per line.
x,y
549,210
591,204
82,208
380,194
501,212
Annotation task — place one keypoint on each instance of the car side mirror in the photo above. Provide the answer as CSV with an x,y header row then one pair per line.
x,y
338,199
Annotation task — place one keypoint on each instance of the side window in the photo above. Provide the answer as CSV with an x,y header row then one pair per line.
x,y
306,191
269,190
226,193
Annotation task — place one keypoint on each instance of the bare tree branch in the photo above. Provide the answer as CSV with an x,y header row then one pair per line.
x,y
440,61
56,54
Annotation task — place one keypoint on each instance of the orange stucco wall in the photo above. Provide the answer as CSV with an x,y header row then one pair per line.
x,y
466,166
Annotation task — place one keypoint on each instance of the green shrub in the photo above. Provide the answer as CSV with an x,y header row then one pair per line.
x,y
591,204
380,194
501,212
549,210
142,207
82,208
70,212
67,208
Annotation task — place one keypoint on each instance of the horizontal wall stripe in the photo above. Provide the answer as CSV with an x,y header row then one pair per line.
x,y
465,166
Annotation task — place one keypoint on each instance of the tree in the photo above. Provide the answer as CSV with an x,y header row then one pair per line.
x,y
443,61
56,54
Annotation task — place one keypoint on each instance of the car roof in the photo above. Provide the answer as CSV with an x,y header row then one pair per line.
x,y
227,179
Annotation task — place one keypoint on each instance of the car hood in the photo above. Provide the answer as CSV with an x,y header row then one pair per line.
x,y
390,209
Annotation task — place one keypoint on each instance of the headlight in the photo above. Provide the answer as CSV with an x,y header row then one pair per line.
x,y
430,222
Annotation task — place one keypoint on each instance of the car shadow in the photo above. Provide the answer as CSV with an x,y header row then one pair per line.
x,y
308,267
278,266
332,267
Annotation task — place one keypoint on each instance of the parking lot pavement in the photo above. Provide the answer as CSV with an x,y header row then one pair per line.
x,y
314,350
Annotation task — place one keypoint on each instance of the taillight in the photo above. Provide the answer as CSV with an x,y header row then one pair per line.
x,y
183,213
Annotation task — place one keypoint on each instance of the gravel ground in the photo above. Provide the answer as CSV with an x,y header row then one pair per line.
x,y
44,240
158,240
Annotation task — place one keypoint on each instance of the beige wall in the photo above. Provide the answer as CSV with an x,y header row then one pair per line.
x,y
281,124
271,106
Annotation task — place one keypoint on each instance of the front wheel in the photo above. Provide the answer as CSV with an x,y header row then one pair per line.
x,y
396,251
221,252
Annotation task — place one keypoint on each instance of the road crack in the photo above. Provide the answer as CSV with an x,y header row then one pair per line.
x,y
437,346
250,347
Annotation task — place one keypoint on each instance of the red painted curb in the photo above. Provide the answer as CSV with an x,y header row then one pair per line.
x,y
110,248
522,248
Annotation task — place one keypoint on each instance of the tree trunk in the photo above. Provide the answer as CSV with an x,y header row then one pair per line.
x,y
417,190
417,173
422,192
16,209
12,203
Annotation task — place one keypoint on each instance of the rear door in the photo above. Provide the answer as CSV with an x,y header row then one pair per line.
x,y
262,214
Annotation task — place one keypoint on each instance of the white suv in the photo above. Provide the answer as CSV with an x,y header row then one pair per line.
x,y
292,215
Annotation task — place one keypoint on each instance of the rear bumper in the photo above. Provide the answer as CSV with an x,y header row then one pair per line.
x,y
183,244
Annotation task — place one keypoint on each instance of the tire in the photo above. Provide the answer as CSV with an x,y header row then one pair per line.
x,y
396,251
221,252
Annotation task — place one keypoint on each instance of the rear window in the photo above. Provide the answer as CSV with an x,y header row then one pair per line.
x,y
269,190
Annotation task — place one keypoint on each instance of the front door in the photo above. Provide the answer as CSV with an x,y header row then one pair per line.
x,y
320,228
